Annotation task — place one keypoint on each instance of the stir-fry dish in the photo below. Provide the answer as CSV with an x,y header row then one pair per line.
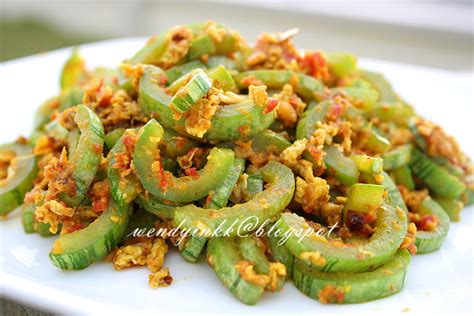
x,y
268,162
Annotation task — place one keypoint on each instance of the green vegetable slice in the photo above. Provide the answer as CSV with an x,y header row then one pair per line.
x,y
123,189
163,184
341,63
140,221
376,142
218,197
55,130
237,121
72,141
397,157
279,252
364,197
178,71
436,178
81,248
403,176
429,241
308,121
29,223
28,218
20,175
87,155
154,49
269,142
196,87
399,113
347,287
175,145
340,166
452,207
254,185
361,97
74,70
70,97
191,250
202,45
253,253
391,226
304,85
230,122
222,78
368,164
393,192
216,61
223,256
264,206
381,84
163,210
111,138
43,113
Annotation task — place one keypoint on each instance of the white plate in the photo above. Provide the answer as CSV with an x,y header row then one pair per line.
x,y
438,283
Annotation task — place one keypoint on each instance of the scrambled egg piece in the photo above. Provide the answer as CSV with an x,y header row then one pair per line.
x,y
291,106
53,212
397,135
270,281
66,118
291,154
161,278
229,97
114,108
100,196
55,177
313,194
314,64
332,212
439,143
248,273
198,119
259,95
179,41
133,71
7,160
277,270
238,194
325,132
425,222
316,148
313,256
413,199
217,34
123,160
192,157
141,251
275,51
409,241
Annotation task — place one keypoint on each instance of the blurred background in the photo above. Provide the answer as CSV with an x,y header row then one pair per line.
x,y
429,33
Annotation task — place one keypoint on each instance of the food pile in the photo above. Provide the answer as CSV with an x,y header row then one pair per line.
x,y
340,180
